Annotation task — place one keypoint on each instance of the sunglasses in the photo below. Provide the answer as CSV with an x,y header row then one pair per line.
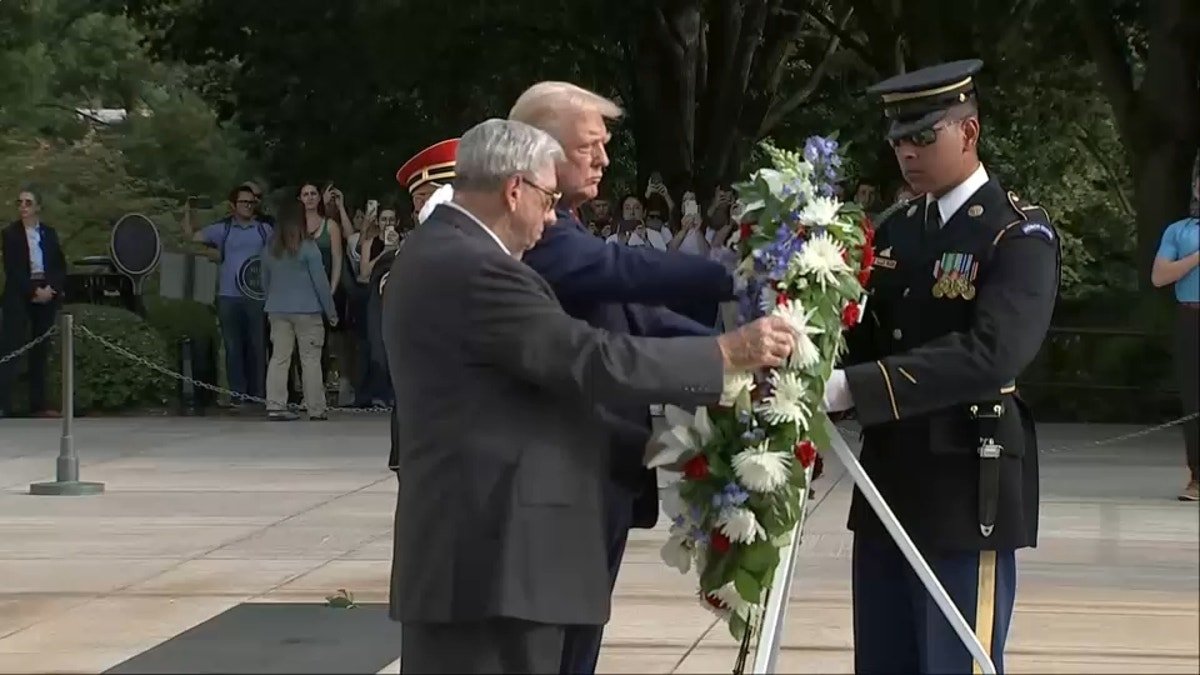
x,y
924,137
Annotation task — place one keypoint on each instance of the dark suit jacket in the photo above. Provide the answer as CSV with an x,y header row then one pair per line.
x,y
501,457
623,289
15,250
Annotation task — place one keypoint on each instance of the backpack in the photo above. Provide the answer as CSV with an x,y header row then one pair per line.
x,y
262,233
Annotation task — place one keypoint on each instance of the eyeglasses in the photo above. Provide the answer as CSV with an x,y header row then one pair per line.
x,y
551,196
924,137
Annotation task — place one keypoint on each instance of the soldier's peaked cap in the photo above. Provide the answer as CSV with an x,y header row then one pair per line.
x,y
434,164
916,101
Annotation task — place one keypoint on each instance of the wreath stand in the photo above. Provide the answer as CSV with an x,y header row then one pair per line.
x,y
771,621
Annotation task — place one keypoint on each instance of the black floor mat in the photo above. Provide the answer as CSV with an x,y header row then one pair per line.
x,y
278,638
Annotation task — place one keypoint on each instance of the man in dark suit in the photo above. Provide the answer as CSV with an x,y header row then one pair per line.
x,y
35,273
502,459
624,289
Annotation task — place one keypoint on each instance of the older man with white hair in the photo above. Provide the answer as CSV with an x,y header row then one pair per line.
x,y
499,535
619,288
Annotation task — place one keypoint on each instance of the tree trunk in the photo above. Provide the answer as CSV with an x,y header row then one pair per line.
x,y
1159,121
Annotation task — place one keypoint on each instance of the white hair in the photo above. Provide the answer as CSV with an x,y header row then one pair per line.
x,y
545,104
496,150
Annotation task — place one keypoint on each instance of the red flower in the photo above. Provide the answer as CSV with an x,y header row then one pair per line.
x,y
864,275
781,299
846,256
868,256
868,229
806,452
851,313
714,601
744,230
696,468
720,543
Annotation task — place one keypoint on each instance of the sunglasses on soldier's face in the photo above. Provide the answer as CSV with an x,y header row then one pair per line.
x,y
924,137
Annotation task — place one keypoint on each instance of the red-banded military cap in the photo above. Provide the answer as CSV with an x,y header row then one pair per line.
x,y
434,164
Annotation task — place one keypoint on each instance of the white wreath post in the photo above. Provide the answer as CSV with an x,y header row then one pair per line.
x,y
771,629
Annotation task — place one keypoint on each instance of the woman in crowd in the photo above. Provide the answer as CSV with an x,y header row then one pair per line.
x,y
371,385
297,296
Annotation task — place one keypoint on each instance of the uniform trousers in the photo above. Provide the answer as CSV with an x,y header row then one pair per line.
x,y
898,628
498,645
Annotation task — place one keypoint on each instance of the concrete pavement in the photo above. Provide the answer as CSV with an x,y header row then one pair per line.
x,y
205,515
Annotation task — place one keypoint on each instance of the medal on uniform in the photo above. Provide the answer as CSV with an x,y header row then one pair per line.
x,y
953,277
939,275
969,287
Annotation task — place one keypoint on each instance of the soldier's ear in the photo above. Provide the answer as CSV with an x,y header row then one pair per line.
x,y
970,127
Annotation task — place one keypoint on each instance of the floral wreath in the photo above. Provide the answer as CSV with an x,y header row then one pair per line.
x,y
745,463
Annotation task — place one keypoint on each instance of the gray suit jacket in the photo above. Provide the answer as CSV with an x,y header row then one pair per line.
x,y
501,455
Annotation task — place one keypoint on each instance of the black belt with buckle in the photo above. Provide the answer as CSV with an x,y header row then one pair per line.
x,y
987,416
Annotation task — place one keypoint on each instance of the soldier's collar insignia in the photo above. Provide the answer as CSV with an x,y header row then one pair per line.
x,y
955,275
975,211
885,253
911,210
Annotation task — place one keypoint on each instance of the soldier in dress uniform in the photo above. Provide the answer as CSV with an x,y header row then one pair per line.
x,y
962,290
421,175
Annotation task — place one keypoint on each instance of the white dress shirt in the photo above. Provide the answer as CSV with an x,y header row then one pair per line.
x,y
837,390
480,223
33,237
952,201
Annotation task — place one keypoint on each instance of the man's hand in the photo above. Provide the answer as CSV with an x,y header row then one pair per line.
x,y
43,294
764,343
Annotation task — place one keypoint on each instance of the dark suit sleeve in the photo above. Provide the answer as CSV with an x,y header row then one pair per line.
x,y
662,322
515,323
1012,314
583,268
16,282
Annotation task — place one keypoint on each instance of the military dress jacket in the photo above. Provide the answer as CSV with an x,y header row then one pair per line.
x,y
952,318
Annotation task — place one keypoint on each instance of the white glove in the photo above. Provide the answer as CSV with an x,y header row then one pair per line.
x,y
439,196
837,393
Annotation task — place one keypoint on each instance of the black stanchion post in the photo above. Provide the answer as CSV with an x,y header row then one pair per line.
x,y
188,403
67,483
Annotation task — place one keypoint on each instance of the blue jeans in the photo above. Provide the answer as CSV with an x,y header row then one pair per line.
x,y
244,331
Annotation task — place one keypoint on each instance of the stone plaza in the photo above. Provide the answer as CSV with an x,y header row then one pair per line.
x,y
218,541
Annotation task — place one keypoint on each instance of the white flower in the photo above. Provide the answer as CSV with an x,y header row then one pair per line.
x,y
676,552
672,502
786,403
760,469
805,353
767,299
686,436
730,601
739,524
774,180
821,259
820,211
735,384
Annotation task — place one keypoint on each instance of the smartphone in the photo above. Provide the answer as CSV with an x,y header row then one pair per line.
x,y
202,203
691,208
372,208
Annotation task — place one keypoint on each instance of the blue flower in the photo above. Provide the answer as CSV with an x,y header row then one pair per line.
x,y
735,495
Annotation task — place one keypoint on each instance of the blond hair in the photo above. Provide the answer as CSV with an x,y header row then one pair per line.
x,y
545,104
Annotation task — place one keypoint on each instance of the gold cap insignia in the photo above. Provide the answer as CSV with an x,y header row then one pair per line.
x,y
975,211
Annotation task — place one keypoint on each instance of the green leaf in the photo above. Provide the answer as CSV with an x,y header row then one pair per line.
x,y
760,557
747,586
737,627
818,432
